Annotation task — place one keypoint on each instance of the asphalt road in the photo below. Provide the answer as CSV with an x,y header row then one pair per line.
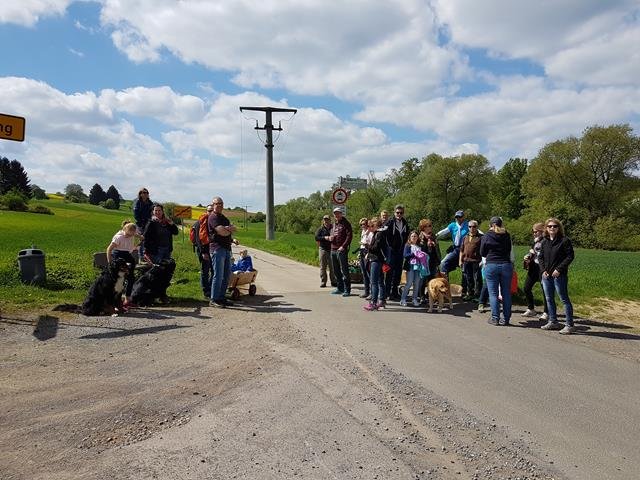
x,y
575,399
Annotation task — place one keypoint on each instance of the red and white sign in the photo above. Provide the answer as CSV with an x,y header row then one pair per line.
x,y
339,196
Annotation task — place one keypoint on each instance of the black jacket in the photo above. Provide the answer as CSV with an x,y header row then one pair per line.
x,y
496,247
378,247
397,239
556,255
158,234
320,234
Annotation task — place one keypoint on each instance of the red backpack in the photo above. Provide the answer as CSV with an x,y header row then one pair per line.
x,y
203,231
199,233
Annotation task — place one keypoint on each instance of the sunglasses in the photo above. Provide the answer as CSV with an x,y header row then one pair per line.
x,y
399,213
552,226
473,226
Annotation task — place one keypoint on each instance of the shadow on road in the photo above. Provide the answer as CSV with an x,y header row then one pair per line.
x,y
266,304
46,328
123,332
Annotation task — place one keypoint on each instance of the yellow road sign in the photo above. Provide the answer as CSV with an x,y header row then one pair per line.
x,y
12,127
181,212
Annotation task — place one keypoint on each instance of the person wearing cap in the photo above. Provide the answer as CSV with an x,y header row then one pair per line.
x,y
470,261
457,229
324,252
496,247
340,238
397,236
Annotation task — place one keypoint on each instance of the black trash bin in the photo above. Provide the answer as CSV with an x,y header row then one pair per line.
x,y
32,268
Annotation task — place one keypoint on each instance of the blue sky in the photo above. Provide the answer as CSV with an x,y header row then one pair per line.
x,y
146,93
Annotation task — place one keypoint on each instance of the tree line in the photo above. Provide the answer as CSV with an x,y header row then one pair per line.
x,y
590,182
16,190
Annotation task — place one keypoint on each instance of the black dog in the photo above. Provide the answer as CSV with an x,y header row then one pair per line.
x,y
153,284
105,295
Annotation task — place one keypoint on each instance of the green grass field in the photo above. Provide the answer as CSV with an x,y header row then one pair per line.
x,y
71,236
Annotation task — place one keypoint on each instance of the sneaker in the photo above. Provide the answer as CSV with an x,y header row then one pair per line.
x,y
370,307
492,321
528,313
323,285
567,330
544,317
217,304
382,305
481,308
337,291
346,294
551,326
403,303
416,303
364,295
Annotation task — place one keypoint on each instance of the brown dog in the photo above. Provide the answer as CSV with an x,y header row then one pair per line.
x,y
439,290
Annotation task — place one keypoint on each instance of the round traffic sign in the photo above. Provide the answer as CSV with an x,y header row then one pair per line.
x,y
339,196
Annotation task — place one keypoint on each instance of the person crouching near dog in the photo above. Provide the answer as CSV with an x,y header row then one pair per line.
x,y
121,246
375,257
555,257
496,247
470,261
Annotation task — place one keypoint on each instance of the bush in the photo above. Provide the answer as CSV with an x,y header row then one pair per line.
x,y
109,204
15,201
40,209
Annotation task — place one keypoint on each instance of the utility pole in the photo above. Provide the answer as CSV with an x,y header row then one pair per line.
x,y
268,126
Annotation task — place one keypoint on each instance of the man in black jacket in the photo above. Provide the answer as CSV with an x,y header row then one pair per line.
x,y
397,235
324,252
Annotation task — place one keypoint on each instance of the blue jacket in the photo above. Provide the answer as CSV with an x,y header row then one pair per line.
x,y
452,229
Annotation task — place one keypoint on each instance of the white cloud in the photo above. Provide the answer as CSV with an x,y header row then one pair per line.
x,y
84,138
161,103
365,51
583,41
28,12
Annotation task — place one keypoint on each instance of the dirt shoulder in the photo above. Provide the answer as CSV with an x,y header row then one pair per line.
x,y
198,393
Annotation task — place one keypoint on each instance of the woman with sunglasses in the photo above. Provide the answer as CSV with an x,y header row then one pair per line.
x,y
555,257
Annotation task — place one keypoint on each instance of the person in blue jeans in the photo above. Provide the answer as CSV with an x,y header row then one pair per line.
x,y
457,229
556,254
414,259
496,248
376,258
220,240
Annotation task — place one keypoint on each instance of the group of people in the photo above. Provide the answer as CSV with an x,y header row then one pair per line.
x,y
154,232
388,246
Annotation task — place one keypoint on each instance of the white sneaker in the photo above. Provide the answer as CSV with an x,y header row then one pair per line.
x,y
403,303
544,317
482,308
528,313
416,303
567,330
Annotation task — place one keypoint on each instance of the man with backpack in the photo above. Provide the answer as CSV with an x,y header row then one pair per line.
x,y
199,235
